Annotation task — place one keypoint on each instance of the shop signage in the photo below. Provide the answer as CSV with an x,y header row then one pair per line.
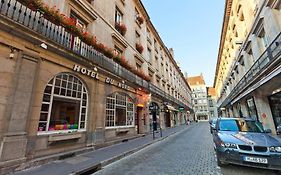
x,y
181,108
153,108
91,73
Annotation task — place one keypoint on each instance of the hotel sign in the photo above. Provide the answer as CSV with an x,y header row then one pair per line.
x,y
85,71
94,74
118,84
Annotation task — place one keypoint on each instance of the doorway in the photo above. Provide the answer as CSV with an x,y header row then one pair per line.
x,y
168,119
138,119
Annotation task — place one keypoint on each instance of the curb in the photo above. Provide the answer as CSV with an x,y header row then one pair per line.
x,y
99,166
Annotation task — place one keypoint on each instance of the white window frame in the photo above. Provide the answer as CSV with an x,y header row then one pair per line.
x,y
118,15
114,98
52,83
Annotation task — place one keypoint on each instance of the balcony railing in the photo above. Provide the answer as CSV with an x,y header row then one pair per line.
x,y
33,21
167,97
270,55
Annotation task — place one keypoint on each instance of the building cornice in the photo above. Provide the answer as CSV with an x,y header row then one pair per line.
x,y
227,10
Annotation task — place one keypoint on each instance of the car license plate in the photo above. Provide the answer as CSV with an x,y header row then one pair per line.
x,y
255,159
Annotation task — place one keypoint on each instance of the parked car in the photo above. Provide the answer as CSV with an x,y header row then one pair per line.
x,y
212,123
245,142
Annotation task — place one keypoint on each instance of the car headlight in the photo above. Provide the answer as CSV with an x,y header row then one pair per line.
x,y
229,145
275,149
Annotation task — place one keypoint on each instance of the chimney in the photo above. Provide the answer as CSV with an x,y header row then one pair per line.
x,y
171,50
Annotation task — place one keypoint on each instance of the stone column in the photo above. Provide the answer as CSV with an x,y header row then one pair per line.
x,y
235,111
264,111
19,99
96,112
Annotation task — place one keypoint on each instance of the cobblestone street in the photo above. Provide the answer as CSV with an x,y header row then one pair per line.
x,y
189,152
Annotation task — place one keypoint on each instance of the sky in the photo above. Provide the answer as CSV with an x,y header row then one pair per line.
x,y
192,28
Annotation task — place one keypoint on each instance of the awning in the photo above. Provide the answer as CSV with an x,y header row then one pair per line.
x,y
171,108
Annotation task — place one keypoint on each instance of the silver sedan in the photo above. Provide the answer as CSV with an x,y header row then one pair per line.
x,y
245,142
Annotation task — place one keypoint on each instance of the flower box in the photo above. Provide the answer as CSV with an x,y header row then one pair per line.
x,y
121,28
139,48
54,16
140,19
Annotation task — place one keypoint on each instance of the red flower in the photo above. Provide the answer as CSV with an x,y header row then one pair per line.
x,y
139,48
121,28
54,16
140,19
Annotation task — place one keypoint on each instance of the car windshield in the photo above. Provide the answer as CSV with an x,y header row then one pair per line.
x,y
241,125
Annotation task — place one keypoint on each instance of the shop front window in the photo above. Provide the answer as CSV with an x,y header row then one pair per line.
x,y
64,105
275,105
119,110
252,108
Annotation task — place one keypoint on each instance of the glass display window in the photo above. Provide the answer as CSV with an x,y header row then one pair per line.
x,y
64,105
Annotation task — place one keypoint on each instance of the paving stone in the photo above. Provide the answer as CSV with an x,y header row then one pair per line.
x,y
186,153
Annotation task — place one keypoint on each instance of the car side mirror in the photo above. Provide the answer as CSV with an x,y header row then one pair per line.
x,y
267,131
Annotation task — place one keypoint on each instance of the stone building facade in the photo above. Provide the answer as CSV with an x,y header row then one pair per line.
x,y
248,66
199,97
212,102
61,92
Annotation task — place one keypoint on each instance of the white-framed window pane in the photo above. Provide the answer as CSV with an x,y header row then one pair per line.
x,y
119,110
63,107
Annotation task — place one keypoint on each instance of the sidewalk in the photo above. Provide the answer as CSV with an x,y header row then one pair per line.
x,y
92,161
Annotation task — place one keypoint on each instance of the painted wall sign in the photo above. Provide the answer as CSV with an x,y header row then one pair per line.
x,y
91,73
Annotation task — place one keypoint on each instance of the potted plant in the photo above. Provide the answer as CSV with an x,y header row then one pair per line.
x,y
33,5
52,14
140,19
139,48
121,28
108,52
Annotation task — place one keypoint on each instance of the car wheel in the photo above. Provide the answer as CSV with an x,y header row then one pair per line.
x,y
220,163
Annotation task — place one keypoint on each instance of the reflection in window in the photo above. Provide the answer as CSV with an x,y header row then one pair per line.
x,y
252,108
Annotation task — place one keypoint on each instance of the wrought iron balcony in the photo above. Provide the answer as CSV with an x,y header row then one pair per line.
x,y
167,97
41,29
34,21
270,56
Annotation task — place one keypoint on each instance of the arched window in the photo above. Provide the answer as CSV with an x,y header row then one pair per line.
x,y
64,105
119,110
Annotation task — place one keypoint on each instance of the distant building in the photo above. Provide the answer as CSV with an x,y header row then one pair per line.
x,y
248,71
199,97
212,105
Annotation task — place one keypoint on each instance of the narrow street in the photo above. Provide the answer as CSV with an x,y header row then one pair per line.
x,y
189,152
